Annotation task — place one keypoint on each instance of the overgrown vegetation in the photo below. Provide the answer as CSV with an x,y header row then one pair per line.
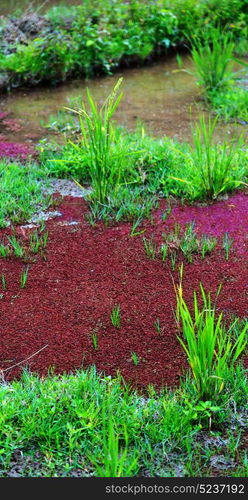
x,y
89,423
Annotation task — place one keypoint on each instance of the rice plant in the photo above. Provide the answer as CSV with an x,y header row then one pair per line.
x,y
226,244
95,341
209,347
115,316
24,277
150,248
98,137
211,57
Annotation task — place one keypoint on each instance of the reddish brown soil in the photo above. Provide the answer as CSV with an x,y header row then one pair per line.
x,y
89,270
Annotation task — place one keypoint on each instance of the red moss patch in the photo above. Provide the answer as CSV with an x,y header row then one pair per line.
x,y
89,270
16,150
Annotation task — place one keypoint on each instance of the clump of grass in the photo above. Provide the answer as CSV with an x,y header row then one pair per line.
x,y
226,244
135,358
164,251
211,168
135,226
24,277
208,244
215,163
213,59
116,460
4,250
157,326
95,341
98,137
188,242
150,248
208,345
4,283
115,316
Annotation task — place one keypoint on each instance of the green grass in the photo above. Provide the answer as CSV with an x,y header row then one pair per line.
x,y
186,242
212,58
93,423
97,139
210,168
208,345
115,316
226,244
230,104
24,277
150,248
21,193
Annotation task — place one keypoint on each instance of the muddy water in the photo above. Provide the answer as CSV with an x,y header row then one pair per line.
x,y
165,99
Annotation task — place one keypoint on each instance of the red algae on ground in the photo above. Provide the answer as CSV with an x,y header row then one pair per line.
x,y
89,270
16,150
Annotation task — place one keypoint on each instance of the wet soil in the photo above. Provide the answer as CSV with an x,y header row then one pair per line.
x,y
89,270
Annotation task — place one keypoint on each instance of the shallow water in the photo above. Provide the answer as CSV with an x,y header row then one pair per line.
x,y
165,99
